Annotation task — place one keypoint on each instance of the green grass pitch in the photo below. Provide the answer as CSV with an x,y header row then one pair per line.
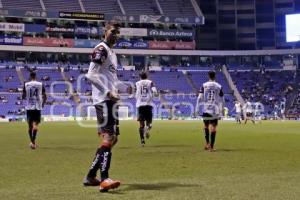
x,y
259,161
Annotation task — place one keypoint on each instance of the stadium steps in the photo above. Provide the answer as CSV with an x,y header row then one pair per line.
x,y
81,6
293,98
197,8
20,75
74,96
191,82
232,86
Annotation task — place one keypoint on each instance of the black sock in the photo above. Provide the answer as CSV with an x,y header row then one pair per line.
x,y
206,132
141,130
30,134
105,158
95,164
34,132
212,138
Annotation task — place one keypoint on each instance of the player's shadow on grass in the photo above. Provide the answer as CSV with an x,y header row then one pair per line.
x,y
235,150
155,186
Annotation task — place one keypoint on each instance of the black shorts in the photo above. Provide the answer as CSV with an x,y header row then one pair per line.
x,y
107,117
33,116
145,113
209,119
249,114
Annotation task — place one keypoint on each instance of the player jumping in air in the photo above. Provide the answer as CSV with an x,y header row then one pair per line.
x,y
145,91
211,98
35,96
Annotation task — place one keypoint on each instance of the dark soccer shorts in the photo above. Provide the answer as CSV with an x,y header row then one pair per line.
x,y
33,116
209,119
145,113
249,114
107,117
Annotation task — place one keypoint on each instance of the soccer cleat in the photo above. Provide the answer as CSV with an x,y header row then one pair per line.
x,y
207,147
212,150
32,146
147,132
108,184
88,181
143,143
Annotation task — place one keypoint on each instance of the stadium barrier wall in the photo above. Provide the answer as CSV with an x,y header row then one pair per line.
x,y
152,52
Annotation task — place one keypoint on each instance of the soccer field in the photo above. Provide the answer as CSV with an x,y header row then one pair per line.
x,y
259,161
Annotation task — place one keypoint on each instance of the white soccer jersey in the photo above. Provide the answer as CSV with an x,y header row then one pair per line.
x,y
33,95
238,107
103,72
258,108
211,98
248,107
144,93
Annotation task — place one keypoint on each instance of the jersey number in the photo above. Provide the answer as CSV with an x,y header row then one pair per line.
x,y
33,92
144,90
211,95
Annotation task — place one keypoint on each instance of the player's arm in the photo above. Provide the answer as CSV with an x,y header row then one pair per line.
x,y
199,99
44,96
222,100
97,59
24,92
154,90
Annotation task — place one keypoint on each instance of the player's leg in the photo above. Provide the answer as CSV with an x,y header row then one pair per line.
x,y
35,128
247,116
90,179
109,138
206,131
149,117
141,131
141,119
35,125
102,159
213,133
253,118
29,122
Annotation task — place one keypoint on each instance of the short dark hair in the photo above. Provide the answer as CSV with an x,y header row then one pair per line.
x,y
212,75
143,75
110,24
32,75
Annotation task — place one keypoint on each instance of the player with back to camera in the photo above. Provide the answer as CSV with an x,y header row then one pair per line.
x,y
103,75
248,109
145,91
35,96
211,98
238,111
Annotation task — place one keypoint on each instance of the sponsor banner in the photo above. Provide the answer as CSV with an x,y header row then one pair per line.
x,y
13,27
79,15
133,31
84,43
140,45
156,19
33,14
150,18
58,29
172,45
48,42
125,44
171,33
35,28
11,40
89,30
